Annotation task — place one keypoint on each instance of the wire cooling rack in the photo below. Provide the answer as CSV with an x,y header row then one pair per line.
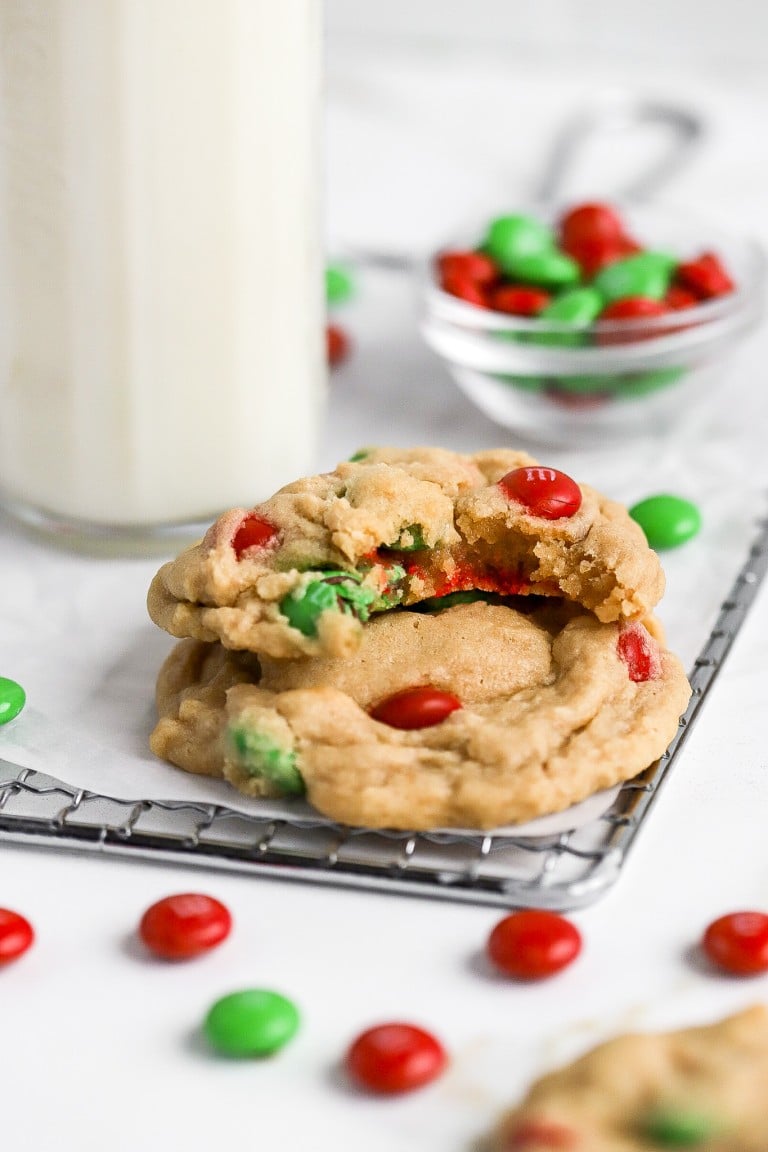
x,y
565,871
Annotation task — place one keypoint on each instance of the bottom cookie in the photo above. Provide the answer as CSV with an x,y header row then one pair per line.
x,y
699,1088
550,706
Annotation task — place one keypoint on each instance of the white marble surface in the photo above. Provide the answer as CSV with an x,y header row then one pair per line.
x,y
98,1046
639,39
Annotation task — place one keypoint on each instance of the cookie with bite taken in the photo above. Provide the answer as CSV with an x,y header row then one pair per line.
x,y
302,574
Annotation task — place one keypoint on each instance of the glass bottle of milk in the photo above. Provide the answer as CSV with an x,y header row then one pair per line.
x,y
161,294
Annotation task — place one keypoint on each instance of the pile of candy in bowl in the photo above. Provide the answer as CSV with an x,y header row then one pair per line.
x,y
589,319
587,268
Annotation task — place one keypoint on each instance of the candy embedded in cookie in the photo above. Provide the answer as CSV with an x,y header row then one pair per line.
x,y
700,1088
477,716
540,1135
301,574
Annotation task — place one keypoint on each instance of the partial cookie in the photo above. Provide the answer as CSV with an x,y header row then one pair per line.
x,y
701,1088
301,573
551,706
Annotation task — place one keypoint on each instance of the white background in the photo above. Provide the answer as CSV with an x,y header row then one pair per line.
x,y
724,39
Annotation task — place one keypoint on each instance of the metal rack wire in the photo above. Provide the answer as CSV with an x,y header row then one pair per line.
x,y
565,871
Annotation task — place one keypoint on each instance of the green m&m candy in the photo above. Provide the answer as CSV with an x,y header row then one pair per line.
x,y
12,699
410,539
644,274
254,1022
551,268
512,238
304,606
263,758
638,384
523,383
339,285
576,308
335,591
586,385
675,1128
667,521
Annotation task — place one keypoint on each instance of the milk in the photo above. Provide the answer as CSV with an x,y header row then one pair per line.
x,y
161,311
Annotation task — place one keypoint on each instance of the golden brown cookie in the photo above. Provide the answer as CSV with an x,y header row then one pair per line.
x,y
301,573
530,712
701,1088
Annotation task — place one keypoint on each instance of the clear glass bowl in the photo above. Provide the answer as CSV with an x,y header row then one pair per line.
x,y
616,378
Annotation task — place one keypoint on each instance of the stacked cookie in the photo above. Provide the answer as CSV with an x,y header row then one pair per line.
x,y
419,639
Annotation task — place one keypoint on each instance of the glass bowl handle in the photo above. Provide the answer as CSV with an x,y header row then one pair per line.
x,y
684,130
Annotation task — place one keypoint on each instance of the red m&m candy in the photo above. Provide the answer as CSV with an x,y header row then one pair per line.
x,y
16,935
183,926
589,223
738,943
465,288
593,255
394,1058
254,531
640,653
470,265
421,707
629,308
337,344
705,276
519,299
544,492
678,298
538,1134
533,944
577,401
593,234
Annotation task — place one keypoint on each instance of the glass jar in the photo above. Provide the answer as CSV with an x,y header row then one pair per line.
x,y
161,293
